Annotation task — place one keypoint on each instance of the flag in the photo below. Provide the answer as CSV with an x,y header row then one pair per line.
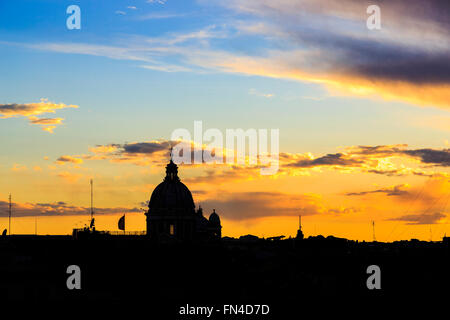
x,y
92,223
121,223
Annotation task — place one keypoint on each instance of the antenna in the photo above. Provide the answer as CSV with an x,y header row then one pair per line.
x,y
373,229
92,223
300,235
10,206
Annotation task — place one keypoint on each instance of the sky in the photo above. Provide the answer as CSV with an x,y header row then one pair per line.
x,y
363,114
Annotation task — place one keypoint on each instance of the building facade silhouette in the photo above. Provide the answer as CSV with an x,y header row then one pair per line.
x,y
172,213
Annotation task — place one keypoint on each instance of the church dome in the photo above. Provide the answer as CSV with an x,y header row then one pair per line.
x,y
214,218
171,193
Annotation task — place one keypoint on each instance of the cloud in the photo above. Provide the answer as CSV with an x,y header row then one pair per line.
x,y
157,1
49,129
105,149
157,152
420,204
139,153
65,159
19,168
112,52
200,38
431,218
337,159
389,160
145,147
260,94
362,62
398,190
70,177
166,68
31,110
58,209
431,156
252,205
373,159
225,174
322,42
47,124
45,121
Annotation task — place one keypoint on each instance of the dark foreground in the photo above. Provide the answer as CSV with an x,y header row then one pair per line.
x,y
281,274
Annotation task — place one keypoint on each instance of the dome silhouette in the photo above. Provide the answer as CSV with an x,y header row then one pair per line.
x,y
214,218
171,212
172,193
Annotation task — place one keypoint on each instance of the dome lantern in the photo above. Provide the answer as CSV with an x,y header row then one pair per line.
x,y
171,172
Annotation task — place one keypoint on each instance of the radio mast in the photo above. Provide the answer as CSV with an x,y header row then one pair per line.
x,y
300,235
92,223
92,199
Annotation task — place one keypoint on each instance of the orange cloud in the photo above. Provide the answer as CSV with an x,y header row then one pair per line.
x,y
389,160
70,177
48,129
45,121
278,65
421,204
59,209
253,205
30,110
64,159
331,46
107,149
19,168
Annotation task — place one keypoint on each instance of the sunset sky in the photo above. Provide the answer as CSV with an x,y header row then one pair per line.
x,y
363,115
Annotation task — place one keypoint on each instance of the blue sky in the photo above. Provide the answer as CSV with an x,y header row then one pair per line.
x,y
120,87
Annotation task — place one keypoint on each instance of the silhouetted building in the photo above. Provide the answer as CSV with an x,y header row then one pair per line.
x,y
214,226
172,213
299,231
249,238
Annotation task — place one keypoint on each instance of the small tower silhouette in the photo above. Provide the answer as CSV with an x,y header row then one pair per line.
x,y
299,231
373,232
